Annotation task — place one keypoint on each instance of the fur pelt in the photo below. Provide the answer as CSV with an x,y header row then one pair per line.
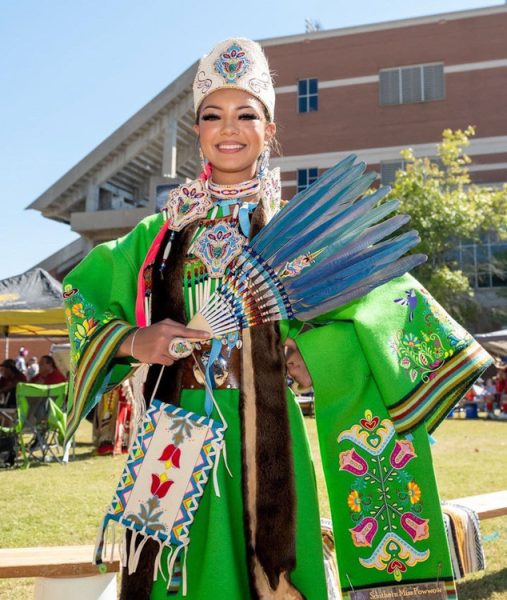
x,y
268,475
138,585
268,472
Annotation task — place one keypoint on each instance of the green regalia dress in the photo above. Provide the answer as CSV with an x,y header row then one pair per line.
x,y
386,369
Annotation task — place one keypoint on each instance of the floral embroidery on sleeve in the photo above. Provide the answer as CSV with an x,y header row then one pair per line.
x,y
82,321
425,343
385,501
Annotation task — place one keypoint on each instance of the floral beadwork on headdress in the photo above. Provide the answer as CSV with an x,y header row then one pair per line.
x,y
202,82
258,84
236,63
233,63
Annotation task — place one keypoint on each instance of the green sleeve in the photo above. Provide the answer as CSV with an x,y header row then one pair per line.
x,y
420,360
99,298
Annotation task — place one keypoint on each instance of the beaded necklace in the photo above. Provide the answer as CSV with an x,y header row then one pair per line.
x,y
237,190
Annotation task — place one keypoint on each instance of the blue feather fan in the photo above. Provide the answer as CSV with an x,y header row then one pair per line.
x,y
329,245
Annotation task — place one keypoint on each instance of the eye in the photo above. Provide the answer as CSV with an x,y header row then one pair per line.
x,y
248,117
210,117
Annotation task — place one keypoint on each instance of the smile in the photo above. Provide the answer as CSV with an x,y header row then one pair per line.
x,y
230,147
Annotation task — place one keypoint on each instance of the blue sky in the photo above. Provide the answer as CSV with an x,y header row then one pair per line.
x,y
71,72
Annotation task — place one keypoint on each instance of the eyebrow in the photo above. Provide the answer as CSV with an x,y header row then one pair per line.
x,y
237,108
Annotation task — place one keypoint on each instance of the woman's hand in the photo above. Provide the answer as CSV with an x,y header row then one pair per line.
x,y
151,344
296,365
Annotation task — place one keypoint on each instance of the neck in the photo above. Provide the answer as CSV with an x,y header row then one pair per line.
x,y
233,178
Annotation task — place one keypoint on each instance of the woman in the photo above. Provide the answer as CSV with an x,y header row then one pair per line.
x,y
261,537
10,376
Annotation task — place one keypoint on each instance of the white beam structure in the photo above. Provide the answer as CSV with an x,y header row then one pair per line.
x,y
170,151
92,197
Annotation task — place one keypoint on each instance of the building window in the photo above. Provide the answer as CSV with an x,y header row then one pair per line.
x,y
306,177
308,95
389,168
485,263
406,85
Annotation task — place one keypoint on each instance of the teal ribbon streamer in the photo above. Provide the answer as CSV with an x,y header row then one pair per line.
x,y
244,210
216,346
244,219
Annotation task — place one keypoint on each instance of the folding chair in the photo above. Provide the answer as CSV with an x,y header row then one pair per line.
x,y
8,437
41,418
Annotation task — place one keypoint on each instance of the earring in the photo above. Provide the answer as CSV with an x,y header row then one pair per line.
x,y
204,160
263,162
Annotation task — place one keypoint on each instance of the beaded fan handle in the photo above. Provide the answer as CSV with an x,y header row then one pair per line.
x,y
182,347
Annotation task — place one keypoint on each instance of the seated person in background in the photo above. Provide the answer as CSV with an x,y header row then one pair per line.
x,y
48,372
33,368
10,377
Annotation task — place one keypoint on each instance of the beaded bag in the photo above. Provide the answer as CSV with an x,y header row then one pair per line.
x,y
162,483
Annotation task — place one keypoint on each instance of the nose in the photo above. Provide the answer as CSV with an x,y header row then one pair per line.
x,y
229,125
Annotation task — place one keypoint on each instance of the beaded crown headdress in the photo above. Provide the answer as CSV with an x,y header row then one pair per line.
x,y
237,63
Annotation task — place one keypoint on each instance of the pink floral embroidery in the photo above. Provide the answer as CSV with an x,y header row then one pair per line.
x,y
363,534
352,462
416,527
403,452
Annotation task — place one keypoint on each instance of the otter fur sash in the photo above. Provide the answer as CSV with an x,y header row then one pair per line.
x,y
267,463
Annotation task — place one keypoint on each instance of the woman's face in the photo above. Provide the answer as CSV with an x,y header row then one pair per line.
x,y
233,132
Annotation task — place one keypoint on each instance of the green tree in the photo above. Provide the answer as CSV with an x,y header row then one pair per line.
x,y
446,207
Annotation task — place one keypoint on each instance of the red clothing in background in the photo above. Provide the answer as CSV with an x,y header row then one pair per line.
x,y
54,377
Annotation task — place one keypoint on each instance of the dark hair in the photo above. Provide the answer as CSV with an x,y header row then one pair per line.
x,y
10,364
49,359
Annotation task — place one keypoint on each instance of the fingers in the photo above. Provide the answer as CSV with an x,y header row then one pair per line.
x,y
290,344
296,365
152,342
195,334
180,330
290,348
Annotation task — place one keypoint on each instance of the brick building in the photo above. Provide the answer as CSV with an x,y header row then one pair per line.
x,y
372,90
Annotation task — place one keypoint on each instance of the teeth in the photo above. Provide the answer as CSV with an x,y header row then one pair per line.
x,y
230,146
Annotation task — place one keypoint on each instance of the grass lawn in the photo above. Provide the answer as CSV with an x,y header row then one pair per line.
x,y
53,504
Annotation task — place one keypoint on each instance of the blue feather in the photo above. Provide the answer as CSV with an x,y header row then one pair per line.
x,y
308,310
337,259
309,202
336,209
357,268
338,230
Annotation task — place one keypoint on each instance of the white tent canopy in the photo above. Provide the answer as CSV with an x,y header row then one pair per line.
x,y
495,342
